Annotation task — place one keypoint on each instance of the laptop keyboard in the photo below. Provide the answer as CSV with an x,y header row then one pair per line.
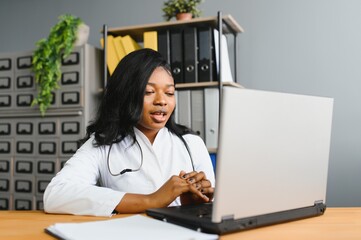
x,y
201,210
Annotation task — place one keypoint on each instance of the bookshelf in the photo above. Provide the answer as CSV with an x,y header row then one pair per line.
x,y
229,26
226,25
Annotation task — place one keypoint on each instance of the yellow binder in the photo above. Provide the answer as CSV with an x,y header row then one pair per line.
x,y
119,49
112,57
151,40
129,44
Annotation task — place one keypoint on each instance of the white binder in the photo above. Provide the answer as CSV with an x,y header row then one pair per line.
x,y
184,108
197,112
211,116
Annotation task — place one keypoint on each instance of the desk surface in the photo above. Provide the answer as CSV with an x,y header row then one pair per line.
x,y
336,223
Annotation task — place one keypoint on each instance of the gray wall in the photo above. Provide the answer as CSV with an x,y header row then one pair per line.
x,y
307,47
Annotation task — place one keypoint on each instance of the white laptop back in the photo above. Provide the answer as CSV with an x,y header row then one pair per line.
x,y
273,152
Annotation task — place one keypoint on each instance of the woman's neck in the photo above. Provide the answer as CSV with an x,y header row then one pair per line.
x,y
149,133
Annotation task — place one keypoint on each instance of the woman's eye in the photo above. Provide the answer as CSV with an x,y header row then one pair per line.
x,y
170,93
148,92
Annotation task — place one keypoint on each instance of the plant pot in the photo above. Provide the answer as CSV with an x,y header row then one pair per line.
x,y
184,16
82,35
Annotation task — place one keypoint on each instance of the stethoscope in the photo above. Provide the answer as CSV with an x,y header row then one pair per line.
x,y
126,170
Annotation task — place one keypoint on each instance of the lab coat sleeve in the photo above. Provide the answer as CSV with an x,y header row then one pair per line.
x,y
74,191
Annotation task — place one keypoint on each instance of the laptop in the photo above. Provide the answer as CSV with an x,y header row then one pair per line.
x,y
272,163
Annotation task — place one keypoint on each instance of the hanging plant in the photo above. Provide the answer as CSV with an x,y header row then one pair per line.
x,y
47,58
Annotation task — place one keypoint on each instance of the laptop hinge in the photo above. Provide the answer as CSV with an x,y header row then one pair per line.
x,y
228,217
318,202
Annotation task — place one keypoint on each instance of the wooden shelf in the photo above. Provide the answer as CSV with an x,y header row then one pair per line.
x,y
229,26
206,84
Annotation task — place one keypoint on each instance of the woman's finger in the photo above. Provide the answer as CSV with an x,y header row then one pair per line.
x,y
198,193
194,177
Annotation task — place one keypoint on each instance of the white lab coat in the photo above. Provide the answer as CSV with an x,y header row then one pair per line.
x,y
85,186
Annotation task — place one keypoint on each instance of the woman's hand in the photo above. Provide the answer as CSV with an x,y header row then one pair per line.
x,y
192,187
199,181
177,186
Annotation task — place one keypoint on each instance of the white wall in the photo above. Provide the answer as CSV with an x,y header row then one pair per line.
x,y
308,47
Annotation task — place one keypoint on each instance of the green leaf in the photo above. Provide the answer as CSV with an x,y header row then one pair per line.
x,y
46,63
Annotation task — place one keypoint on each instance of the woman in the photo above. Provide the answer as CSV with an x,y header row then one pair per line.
x,y
135,156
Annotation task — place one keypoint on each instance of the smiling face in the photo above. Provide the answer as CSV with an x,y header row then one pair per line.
x,y
159,103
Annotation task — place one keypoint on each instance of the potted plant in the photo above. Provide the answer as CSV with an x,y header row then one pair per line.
x,y
174,8
48,55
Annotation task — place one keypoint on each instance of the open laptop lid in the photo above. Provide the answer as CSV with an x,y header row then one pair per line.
x,y
271,165
273,153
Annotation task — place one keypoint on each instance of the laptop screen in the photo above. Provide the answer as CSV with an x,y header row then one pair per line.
x,y
273,152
